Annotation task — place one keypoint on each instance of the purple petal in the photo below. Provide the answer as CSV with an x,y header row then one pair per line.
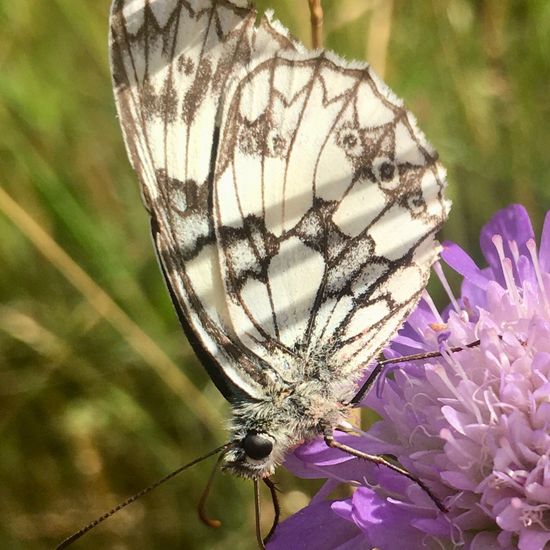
x,y
418,320
343,509
439,527
526,270
512,224
442,339
510,518
405,345
455,257
387,524
472,296
544,250
485,541
533,539
315,460
312,528
357,543
397,484
317,452
328,487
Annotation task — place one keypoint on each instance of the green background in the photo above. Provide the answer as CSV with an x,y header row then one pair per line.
x,y
99,393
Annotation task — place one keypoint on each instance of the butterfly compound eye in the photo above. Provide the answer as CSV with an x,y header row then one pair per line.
x,y
257,446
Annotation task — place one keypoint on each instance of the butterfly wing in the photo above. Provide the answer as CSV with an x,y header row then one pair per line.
x,y
171,61
316,238
326,201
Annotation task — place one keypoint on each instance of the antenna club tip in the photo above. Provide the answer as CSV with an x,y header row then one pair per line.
x,y
213,523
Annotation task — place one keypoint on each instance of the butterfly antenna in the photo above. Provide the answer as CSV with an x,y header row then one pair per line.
x,y
258,513
214,523
75,536
276,507
317,16
405,359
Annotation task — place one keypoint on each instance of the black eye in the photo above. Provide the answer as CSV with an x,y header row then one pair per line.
x,y
257,446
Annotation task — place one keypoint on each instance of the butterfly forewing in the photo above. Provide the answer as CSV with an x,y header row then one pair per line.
x,y
326,201
171,61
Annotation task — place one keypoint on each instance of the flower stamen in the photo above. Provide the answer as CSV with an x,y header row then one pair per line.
x,y
428,299
514,249
532,247
508,272
445,284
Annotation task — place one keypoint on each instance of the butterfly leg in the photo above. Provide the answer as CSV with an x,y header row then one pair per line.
x,y
257,515
262,541
368,384
276,507
381,461
405,359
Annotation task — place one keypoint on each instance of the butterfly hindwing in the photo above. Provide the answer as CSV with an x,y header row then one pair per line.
x,y
326,201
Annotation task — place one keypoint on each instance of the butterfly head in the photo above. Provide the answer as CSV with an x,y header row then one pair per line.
x,y
265,431
255,454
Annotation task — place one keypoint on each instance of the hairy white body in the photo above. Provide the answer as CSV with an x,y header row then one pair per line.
x,y
288,416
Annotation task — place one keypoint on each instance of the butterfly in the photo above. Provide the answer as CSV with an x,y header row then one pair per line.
x,y
293,205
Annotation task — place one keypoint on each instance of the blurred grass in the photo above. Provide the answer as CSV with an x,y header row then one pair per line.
x,y
97,385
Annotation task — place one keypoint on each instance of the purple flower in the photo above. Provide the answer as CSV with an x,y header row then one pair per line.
x,y
474,425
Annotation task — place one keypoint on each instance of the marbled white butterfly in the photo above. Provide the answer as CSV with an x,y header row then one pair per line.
x,y
293,206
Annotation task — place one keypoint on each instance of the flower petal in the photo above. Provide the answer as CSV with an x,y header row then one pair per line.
x,y
312,528
387,523
533,539
512,224
315,460
485,541
455,257
327,488
544,249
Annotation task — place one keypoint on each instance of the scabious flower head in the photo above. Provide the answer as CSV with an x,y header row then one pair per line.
x,y
474,425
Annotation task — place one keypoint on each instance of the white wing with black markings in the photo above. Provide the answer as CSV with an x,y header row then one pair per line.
x,y
326,201
171,61
293,200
